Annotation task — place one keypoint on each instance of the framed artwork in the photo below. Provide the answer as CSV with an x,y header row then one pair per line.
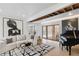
x,y
12,27
69,24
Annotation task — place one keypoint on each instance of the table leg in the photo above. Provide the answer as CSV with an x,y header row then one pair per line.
x,y
10,53
69,50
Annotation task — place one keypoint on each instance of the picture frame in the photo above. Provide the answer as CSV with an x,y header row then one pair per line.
x,y
73,22
8,31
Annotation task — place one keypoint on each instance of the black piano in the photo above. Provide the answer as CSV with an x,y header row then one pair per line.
x,y
70,38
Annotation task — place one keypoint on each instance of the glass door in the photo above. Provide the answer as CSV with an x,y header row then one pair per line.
x,y
56,33
51,32
50,36
44,31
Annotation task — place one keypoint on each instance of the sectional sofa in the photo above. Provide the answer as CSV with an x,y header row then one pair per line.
x,y
12,42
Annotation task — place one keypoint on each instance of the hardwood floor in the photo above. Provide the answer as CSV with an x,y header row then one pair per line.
x,y
57,51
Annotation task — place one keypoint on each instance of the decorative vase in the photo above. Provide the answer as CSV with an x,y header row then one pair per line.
x,y
39,41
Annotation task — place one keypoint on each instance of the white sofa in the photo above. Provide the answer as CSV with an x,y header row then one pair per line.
x,y
16,41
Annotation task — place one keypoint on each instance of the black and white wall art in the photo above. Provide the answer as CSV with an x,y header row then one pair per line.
x,y
69,24
12,27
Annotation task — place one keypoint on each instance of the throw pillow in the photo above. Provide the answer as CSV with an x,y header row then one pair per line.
x,y
9,40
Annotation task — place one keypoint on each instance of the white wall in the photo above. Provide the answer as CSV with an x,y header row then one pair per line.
x,y
52,9
38,28
58,19
25,26
1,28
61,17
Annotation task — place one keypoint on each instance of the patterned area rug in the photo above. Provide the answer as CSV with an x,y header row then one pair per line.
x,y
39,50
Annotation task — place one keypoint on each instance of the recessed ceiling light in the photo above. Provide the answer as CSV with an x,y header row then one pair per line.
x,y
70,13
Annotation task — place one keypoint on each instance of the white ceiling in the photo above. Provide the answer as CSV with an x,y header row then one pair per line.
x,y
22,10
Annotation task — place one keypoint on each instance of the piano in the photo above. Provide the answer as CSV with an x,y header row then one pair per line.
x,y
70,38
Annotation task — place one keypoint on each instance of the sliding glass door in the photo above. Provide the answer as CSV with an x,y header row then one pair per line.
x,y
44,32
51,32
50,36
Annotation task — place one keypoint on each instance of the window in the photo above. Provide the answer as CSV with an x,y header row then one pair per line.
x,y
50,32
44,31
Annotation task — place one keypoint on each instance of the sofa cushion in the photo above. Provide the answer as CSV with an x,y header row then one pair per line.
x,y
2,44
2,49
14,38
9,40
3,39
11,46
21,37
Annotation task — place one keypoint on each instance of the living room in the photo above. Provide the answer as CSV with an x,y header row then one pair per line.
x,y
34,29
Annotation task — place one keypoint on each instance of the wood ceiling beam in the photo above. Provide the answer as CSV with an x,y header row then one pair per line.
x,y
63,10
